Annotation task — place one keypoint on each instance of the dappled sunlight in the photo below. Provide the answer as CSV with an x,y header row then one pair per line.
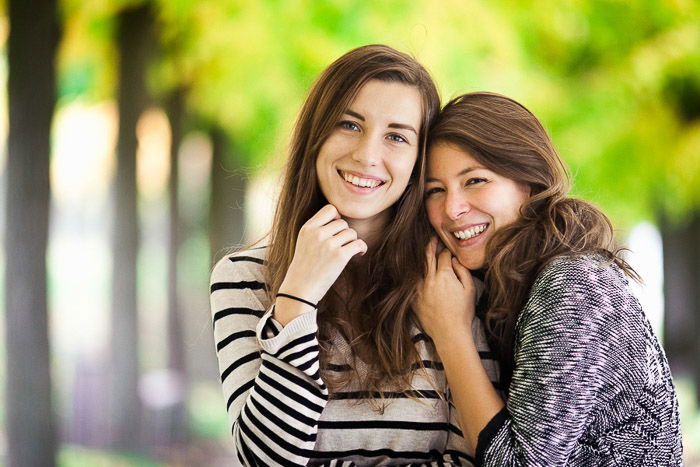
x,y
260,205
83,158
79,261
153,154
645,255
79,256
195,165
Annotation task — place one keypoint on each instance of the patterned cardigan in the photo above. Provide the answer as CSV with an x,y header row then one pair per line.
x,y
591,384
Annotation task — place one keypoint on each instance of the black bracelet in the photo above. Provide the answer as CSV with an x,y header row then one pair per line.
x,y
313,305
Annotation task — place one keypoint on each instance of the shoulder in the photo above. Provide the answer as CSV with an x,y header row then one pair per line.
x,y
238,286
580,289
575,274
241,266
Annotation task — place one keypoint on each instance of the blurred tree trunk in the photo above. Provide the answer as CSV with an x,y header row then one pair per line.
x,y
34,35
678,317
681,252
177,428
682,295
227,203
695,304
133,42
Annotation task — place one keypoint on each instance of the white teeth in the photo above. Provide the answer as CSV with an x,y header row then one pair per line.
x,y
361,182
471,232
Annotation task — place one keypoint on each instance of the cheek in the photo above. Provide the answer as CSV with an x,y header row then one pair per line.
x,y
401,165
321,171
321,159
432,209
330,151
511,211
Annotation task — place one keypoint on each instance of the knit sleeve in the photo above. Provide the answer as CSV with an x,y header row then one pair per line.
x,y
570,346
270,374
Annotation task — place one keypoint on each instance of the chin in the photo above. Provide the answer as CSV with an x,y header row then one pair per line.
x,y
470,262
359,212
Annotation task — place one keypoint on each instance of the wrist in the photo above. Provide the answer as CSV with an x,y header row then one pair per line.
x,y
287,309
302,291
453,335
296,299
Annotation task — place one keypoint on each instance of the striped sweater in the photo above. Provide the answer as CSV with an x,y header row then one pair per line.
x,y
279,407
591,384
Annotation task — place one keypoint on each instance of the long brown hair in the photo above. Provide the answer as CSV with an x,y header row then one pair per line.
x,y
509,140
375,315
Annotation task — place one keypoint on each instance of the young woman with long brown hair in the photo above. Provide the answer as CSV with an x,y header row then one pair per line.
x,y
321,362
587,382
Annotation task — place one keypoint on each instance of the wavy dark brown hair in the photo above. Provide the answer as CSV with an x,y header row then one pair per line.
x,y
509,140
372,311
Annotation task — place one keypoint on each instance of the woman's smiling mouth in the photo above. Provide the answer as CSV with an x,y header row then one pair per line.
x,y
361,180
470,232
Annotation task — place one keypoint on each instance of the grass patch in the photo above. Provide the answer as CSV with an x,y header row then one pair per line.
x,y
76,456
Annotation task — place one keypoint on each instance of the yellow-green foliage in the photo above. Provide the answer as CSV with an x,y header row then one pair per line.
x,y
609,78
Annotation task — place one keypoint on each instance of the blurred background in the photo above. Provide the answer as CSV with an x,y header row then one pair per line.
x,y
145,137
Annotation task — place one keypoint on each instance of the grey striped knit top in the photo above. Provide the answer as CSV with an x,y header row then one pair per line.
x,y
279,407
591,384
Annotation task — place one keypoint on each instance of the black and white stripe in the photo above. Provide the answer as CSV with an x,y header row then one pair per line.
x,y
279,406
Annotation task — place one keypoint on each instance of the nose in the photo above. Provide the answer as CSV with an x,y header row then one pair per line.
x,y
367,151
456,205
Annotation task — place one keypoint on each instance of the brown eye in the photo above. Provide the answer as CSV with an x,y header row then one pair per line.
x,y
432,191
475,180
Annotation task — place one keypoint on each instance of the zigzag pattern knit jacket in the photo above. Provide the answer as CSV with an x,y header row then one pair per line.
x,y
591,384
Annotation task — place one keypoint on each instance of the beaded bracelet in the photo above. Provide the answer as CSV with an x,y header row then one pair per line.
x,y
313,305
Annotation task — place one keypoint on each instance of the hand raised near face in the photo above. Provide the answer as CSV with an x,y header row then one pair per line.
x,y
444,302
325,245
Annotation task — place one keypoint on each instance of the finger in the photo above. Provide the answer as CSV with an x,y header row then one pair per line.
x,y
324,215
343,237
445,260
356,247
332,228
430,254
463,274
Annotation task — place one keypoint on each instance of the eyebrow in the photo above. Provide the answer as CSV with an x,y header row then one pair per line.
x,y
400,126
461,173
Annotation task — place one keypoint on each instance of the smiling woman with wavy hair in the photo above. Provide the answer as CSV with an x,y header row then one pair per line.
x,y
586,380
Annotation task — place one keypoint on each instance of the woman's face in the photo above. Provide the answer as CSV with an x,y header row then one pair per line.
x,y
466,202
365,164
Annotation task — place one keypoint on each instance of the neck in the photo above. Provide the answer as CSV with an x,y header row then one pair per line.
x,y
369,230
